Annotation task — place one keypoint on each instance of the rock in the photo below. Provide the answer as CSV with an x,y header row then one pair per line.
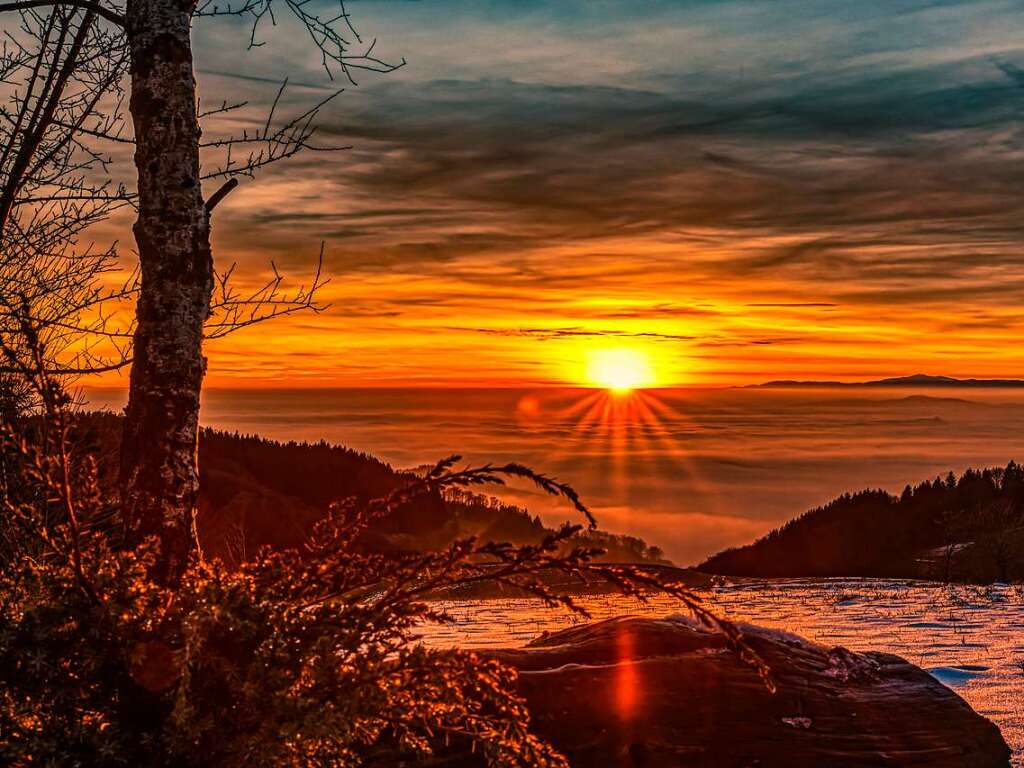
x,y
646,693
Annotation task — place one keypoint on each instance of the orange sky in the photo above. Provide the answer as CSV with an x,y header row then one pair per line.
x,y
697,325
737,191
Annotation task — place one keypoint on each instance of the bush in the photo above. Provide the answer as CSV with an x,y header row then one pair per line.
x,y
305,657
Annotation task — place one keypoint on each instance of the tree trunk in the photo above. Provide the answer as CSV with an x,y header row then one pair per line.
x,y
159,469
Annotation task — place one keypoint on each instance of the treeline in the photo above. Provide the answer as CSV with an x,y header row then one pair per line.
x,y
967,528
491,519
257,492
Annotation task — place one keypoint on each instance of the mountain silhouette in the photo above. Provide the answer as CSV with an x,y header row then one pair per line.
x,y
916,380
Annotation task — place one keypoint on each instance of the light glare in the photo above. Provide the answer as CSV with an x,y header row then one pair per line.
x,y
620,370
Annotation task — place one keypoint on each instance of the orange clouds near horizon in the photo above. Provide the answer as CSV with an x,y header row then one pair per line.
x,y
777,198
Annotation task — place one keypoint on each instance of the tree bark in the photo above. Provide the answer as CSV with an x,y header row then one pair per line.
x,y
159,468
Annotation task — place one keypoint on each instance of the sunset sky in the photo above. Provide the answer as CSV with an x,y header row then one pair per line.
x,y
733,191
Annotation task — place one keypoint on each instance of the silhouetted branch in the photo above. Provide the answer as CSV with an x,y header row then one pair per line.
x,y
333,37
98,8
220,194
66,71
270,144
232,310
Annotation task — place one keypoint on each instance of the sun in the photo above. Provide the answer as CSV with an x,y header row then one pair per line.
x,y
619,369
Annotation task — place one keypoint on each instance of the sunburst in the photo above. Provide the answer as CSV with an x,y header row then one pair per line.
x,y
620,369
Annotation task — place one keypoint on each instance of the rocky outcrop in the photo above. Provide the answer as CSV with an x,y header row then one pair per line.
x,y
646,693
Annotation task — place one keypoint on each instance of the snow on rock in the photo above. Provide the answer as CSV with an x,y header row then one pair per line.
x,y
845,665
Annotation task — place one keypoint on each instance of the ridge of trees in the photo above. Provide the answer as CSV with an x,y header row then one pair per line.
x,y
967,527
255,492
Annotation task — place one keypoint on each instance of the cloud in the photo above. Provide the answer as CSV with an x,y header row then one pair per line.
x,y
769,184
491,165
778,304
547,334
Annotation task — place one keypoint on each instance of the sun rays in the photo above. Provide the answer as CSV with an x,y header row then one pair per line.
x,y
629,435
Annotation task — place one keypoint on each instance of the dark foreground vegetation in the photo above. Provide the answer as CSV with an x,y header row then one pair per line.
x,y
301,652
967,528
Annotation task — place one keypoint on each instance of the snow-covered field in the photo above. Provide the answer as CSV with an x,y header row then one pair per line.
x,y
970,638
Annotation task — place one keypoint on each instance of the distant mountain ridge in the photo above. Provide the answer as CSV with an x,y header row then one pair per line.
x,y
916,380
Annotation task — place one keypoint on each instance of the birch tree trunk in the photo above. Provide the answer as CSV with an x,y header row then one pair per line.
x,y
159,469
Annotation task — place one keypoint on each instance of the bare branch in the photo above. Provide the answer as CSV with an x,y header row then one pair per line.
x,y
232,310
98,8
220,194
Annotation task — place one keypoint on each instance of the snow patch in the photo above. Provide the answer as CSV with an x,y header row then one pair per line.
x,y
750,630
846,665
953,677
777,635
691,622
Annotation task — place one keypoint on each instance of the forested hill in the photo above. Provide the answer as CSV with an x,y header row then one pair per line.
x,y
970,528
255,492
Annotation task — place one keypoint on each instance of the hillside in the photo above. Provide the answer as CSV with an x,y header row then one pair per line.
x,y
966,528
257,492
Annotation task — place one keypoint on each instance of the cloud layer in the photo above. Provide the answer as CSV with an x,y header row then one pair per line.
x,y
748,189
